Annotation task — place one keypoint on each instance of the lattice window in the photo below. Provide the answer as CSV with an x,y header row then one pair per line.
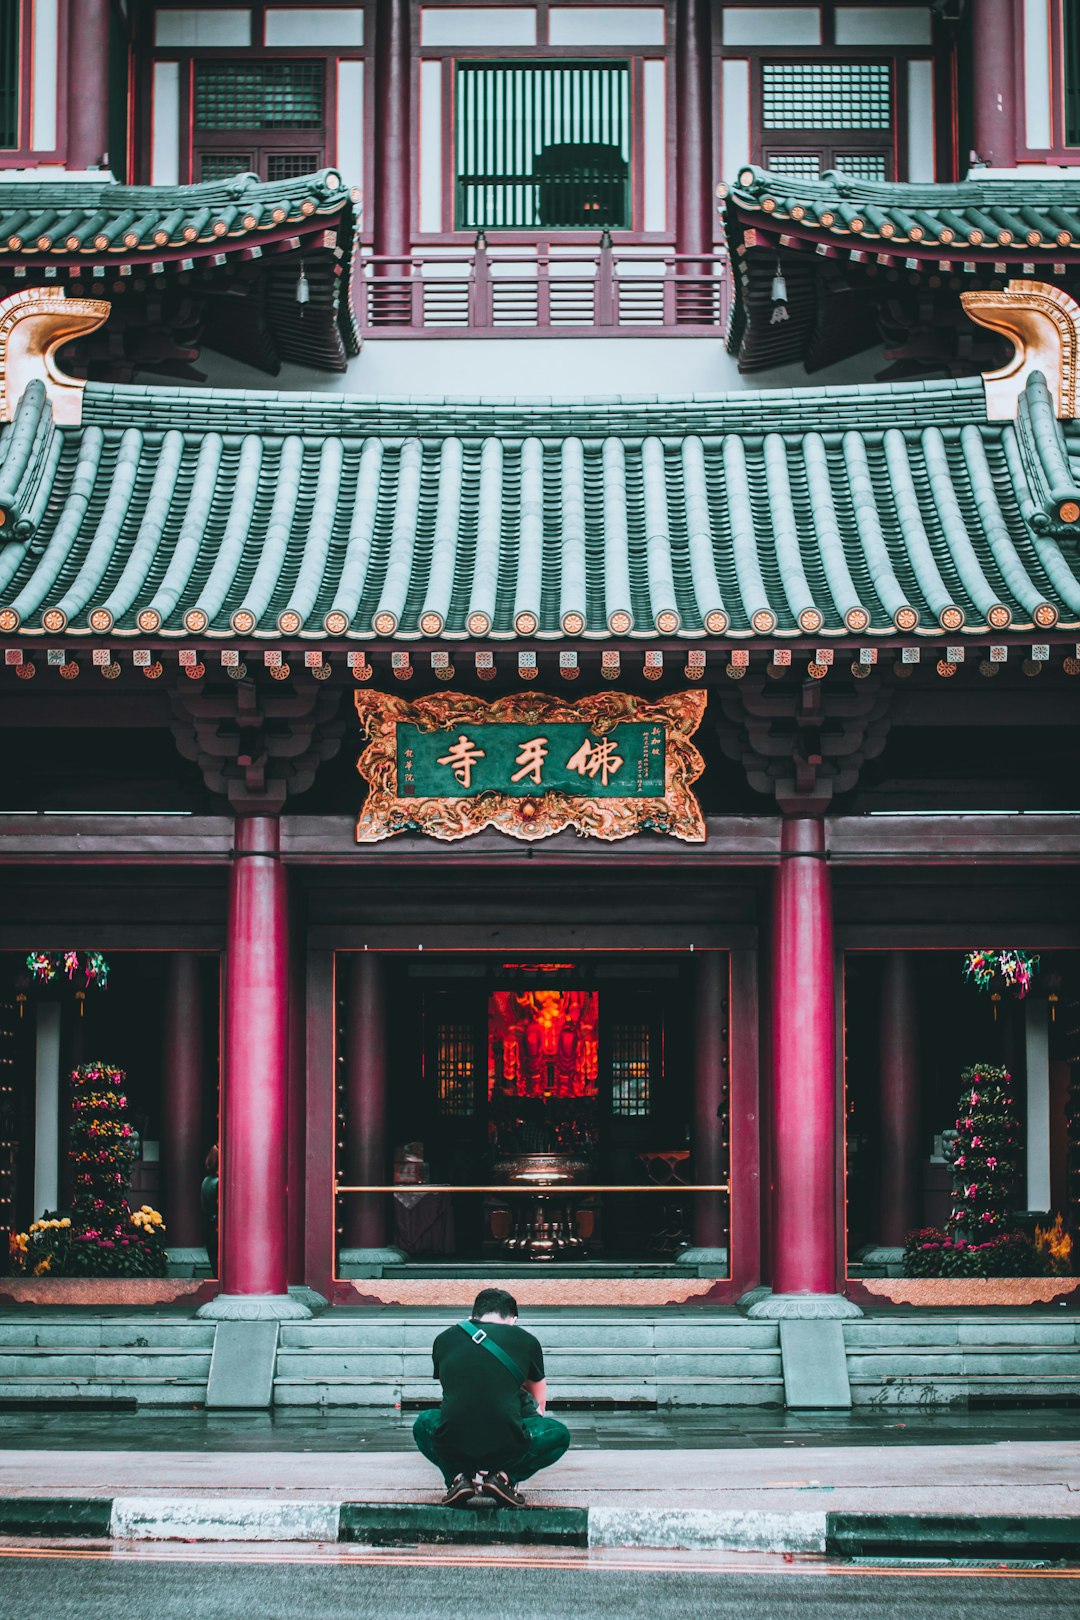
x,y
862,165
455,1069
223,165
631,1070
808,164
826,95
9,72
796,165
542,145
287,165
259,95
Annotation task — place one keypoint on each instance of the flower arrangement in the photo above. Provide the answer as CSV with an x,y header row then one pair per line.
x,y
983,1155
933,1253
44,966
1014,969
102,1237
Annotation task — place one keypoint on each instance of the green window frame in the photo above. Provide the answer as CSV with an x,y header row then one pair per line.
x,y
542,145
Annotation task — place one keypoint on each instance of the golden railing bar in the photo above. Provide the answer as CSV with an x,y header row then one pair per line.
x,y
545,1187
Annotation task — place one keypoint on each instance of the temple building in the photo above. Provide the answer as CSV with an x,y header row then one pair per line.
x,y
540,624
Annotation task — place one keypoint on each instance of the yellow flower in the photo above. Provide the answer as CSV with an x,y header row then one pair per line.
x,y
66,1221
43,1266
146,1209
155,1216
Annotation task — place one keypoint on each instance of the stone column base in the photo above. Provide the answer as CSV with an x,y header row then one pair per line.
x,y
879,1254
254,1308
801,1307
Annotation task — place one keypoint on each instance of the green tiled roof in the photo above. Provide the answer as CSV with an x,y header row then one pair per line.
x,y
65,219
840,511
1035,215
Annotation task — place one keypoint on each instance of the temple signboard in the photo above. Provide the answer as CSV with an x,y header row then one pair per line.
x,y
608,765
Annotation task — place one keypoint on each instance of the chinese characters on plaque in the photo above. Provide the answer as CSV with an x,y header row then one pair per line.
x,y
608,765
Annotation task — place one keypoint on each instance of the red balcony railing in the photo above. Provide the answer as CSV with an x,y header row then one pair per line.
x,y
524,292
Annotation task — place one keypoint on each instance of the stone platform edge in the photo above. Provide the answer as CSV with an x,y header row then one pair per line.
x,y
382,1524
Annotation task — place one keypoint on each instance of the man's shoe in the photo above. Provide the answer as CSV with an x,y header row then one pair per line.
x,y
501,1489
460,1490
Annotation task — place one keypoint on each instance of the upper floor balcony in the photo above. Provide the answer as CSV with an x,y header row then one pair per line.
x,y
547,290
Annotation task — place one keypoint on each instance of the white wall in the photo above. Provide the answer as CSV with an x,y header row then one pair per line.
x,y
44,80
564,366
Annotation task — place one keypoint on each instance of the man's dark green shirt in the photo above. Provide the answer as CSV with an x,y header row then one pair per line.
x,y
482,1400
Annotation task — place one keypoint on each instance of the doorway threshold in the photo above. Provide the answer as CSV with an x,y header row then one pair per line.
x,y
508,1270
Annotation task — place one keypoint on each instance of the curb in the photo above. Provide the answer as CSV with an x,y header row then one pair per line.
x,y
927,1537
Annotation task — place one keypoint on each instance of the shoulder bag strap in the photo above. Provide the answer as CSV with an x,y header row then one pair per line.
x,y
479,1335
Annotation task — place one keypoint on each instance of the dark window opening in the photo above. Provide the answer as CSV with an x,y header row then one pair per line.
x,y
9,72
826,95
542,146
259,95
817,116
259,118
1070,30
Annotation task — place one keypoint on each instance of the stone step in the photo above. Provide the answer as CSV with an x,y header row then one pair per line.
x,y
699,1391
58,1362
560,1364
145,1391
136,1333
608,1333
904,1333
974,1360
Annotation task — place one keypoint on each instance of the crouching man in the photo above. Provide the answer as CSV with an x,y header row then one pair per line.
x,y
491,1431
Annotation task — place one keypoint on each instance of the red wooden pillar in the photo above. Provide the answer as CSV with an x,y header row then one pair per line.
x,y
365,1101
899,1073
392,215
804,1084
994,69
254,1228
297,1115
88,83
183,1144
710,1078
693,127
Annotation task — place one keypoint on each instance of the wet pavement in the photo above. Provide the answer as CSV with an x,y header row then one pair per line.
x,y
351,1429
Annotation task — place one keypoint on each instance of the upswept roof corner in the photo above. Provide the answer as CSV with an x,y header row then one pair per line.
x,y
51,219
1039,213
832,512
871,262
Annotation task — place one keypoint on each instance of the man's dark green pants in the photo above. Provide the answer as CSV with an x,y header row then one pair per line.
x,y
546,1439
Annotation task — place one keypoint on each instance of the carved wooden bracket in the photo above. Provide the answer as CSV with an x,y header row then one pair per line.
x,y
33,325
1043,323
805,743
256,748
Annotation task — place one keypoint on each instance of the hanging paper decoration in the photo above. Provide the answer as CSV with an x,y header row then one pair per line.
x,y
990,969
45,965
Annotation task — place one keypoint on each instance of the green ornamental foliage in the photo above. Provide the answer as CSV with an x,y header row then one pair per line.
x,y
102,1236
984,1155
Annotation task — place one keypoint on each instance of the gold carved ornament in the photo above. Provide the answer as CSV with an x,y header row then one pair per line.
x,y
385,813
34,324
1043,324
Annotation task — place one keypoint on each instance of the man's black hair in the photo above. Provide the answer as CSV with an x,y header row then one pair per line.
x,y
494,1302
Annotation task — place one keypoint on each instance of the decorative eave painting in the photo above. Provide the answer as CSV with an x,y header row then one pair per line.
x,y
609,765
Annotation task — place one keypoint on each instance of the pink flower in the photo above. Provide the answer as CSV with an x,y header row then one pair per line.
x,y
976,1141
991,1164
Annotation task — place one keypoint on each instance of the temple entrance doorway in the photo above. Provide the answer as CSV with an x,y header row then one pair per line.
x,y
537,1112
916,1023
